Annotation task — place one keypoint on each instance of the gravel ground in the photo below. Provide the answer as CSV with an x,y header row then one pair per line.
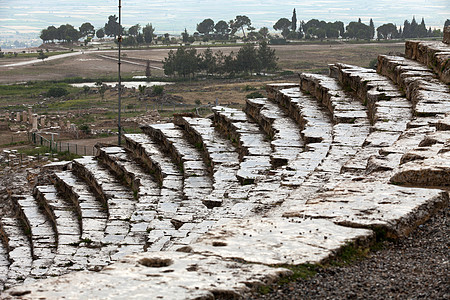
x,y
415,267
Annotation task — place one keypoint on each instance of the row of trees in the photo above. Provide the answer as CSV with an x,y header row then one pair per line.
x,y
410,30
354,30
186,62
222,30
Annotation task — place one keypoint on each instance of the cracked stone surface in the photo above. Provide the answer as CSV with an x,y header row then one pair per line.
x,y
167,275
274,241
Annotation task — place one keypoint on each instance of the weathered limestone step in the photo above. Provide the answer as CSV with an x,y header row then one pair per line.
x,y
19,253
92,212
428,164
389,112
165,275
316,127
42,235
313,120
118,160
344,108
197,183
428,95
351,129
220,152
435,55
286,140
120,201
144,148
62,214
254,149
388,109
389,158
279,241
373,204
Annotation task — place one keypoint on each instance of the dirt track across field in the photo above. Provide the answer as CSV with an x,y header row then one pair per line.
x,y
93,64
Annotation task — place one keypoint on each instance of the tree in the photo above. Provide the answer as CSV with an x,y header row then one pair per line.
x,y
247,59
264,31
148,32
86,29
222,29
284,25
239,22
372,29
387,31
100,33
112,28
208,61
407,29
134,30
422,29
358,30
205,27
294,21
185,36
184,62
414,28
67,33
267,59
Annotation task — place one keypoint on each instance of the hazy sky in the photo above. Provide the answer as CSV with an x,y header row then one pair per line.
x,y
31,16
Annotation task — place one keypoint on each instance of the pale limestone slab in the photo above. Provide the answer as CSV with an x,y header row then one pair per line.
x,y
166,275
278,240
374,204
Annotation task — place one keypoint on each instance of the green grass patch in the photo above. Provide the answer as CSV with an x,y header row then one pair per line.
x,y
69,104
43,150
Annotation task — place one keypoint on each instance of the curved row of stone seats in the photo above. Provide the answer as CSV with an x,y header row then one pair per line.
x,y
152,203
429,96
120,163
385,103
313,120
220,153
42,235
19,253
315,125
254,149
174,223
197,182
120,204
434,55
284,133
351,123
62,216
148,152
73,252
389,112
92,212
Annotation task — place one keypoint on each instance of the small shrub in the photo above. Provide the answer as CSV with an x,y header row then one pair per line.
x,y
254,95
248,88
158,90
85,128
57,92
198,102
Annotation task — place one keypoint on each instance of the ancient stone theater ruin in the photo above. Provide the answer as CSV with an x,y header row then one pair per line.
x,y
215,207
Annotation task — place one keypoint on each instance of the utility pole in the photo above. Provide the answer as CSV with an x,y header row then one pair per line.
x,y
119,40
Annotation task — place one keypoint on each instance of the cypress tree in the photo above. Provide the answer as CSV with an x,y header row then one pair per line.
x,y
372,28
294,21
